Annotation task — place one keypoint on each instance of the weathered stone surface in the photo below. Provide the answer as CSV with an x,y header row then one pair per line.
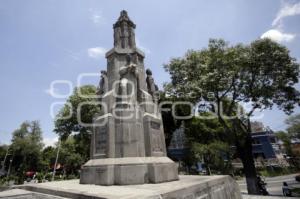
x,y
162,172
130,126
188,187
130,170
23,194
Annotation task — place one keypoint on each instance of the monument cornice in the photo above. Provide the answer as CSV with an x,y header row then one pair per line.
x,y
123,51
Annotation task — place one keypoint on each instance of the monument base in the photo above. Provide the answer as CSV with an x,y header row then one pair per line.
x,y
187,187
128,171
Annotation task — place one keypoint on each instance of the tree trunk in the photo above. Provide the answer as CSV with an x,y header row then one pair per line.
x,y
245,153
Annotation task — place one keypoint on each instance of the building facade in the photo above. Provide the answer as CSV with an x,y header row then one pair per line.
x,y
264,145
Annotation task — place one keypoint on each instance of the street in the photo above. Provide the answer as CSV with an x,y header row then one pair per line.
x,y
274,184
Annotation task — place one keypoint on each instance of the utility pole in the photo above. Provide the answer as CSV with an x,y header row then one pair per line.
x,y
3,165
57,155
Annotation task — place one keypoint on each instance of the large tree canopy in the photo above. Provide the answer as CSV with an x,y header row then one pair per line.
x,y
261,74
67,120
209,143
26,146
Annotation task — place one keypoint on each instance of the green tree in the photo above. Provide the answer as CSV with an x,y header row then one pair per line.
x,y
293,128
209,143
26,147
212,154
48,158
286,139
65,126
262,74
3,151
69,157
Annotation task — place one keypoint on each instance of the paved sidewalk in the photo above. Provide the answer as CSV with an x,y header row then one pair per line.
x,y
245,196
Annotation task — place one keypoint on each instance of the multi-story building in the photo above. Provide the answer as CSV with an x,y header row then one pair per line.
x,y
264,145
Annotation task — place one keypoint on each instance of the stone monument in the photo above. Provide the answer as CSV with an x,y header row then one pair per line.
x,y
128,143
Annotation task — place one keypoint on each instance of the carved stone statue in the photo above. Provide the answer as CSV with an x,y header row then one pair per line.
x,y
117,36
102,87
124,36
151,86
132,37
129,79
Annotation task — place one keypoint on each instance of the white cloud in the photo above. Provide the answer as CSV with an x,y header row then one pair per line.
x,y
52,91
96,18
96,52
74,55
50,141
286,11
277,33
278,36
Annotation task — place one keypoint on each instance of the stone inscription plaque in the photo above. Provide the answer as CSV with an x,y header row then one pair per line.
x,y
156,143
100,140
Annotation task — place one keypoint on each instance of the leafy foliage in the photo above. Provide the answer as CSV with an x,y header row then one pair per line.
x,y
209,143
205,131
286,139
26,147
48,158
213,155
69,157
65,126
262,74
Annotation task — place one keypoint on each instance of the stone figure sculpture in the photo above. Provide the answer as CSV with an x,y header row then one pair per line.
x,y
117,36
102,87
128,79
152,87
124,36
132,37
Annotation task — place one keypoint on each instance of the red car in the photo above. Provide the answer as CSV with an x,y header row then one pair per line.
x,y
29,175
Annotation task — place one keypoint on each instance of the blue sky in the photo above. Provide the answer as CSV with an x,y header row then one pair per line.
x,y
44,41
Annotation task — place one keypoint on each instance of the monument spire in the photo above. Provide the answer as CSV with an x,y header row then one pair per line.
x,y
124,36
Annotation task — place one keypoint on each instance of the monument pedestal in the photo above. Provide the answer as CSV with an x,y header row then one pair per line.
x,y
187,187
130,170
